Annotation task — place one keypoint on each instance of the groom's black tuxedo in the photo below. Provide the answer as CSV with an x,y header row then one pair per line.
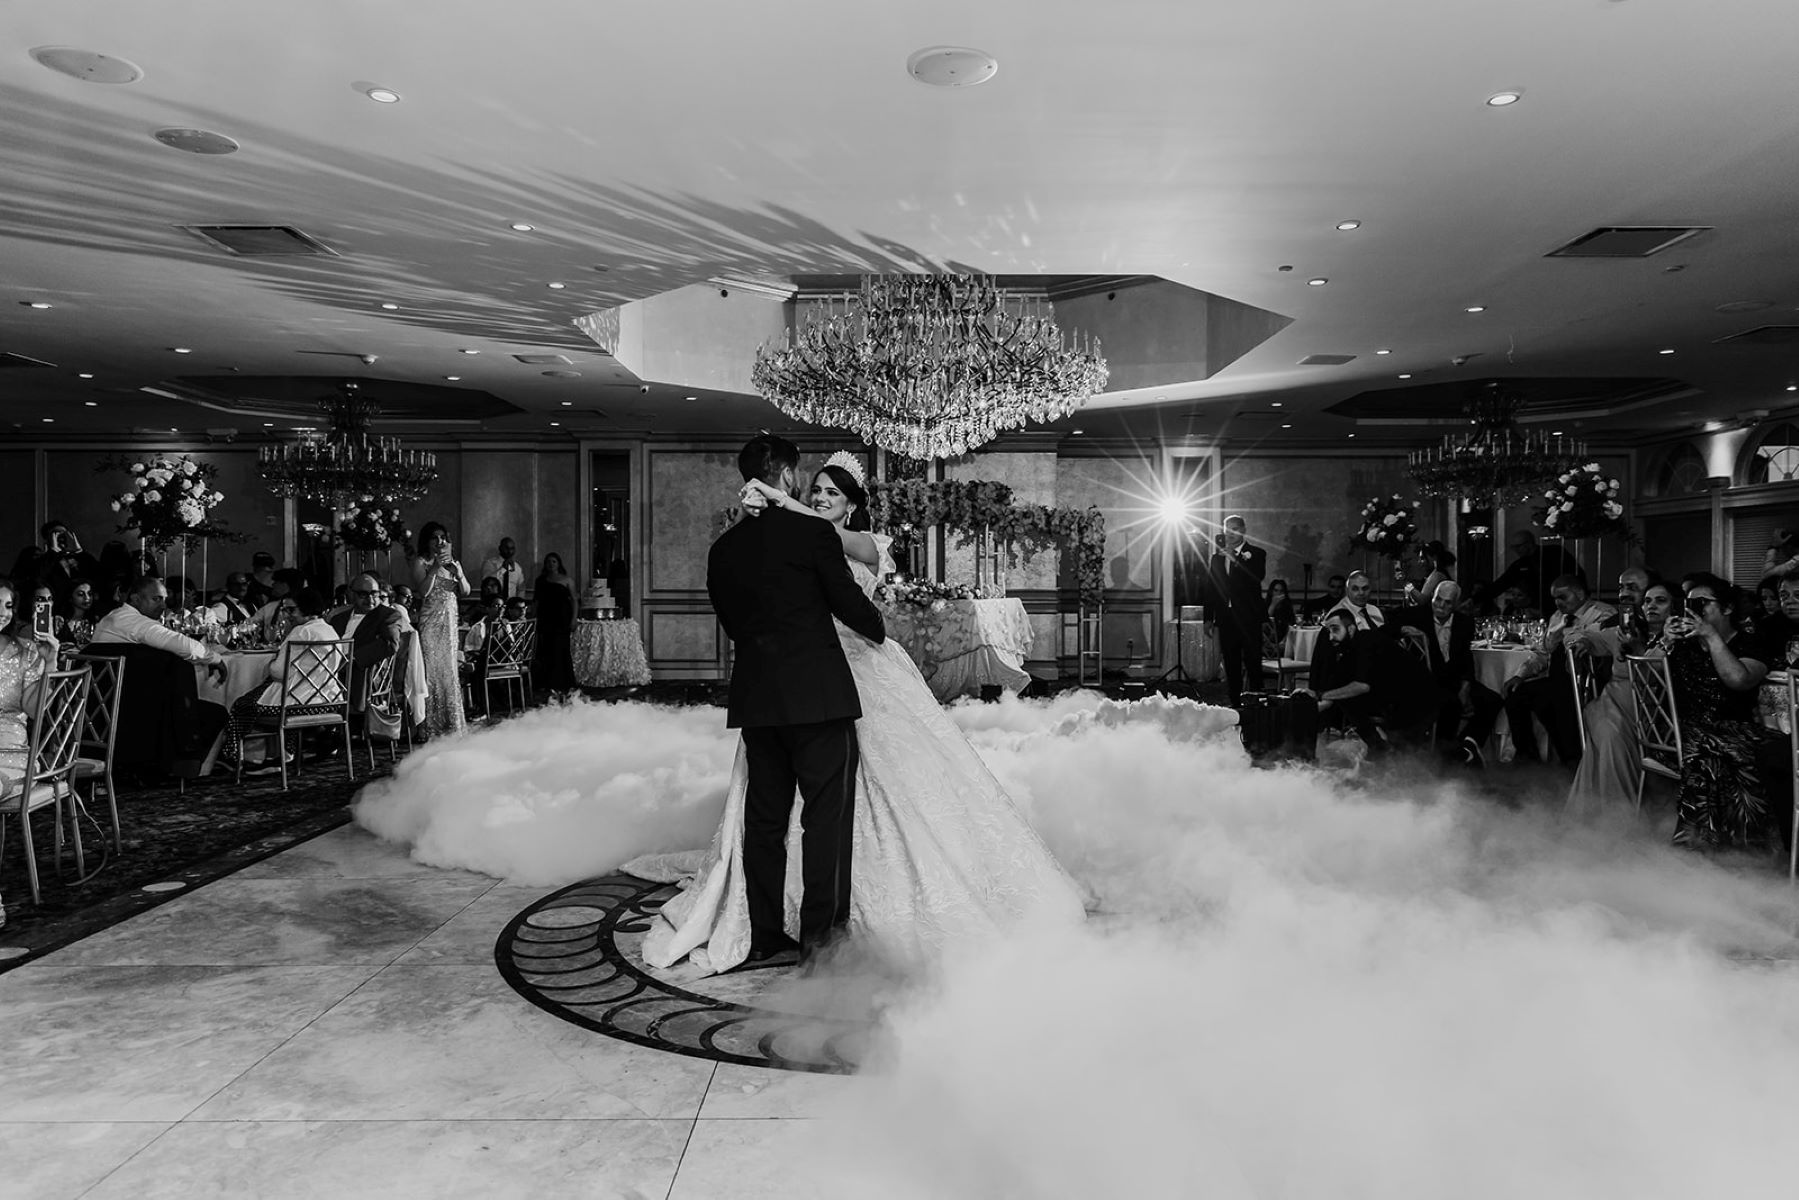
x,y
776,581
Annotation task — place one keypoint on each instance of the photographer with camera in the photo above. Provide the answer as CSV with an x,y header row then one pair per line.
x,y
58,561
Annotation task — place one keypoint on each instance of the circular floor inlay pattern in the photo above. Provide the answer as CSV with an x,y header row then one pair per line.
x,y
172,885
576,954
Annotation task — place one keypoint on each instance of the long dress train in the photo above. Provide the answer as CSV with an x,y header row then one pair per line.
x,y
940,853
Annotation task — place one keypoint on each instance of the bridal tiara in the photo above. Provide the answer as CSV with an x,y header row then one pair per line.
x,y
850,463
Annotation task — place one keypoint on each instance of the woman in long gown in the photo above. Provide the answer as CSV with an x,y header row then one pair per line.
x,y
25,657
1612,765
554,596
441,583
940,853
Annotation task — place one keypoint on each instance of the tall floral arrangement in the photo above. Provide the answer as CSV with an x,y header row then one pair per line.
x,y
1583,502
372,529
169,500
1388,526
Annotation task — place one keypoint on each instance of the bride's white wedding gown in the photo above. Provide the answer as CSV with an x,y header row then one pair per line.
x,y
940,854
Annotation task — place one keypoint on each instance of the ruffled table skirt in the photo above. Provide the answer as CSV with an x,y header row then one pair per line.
x,y
962,646
609,654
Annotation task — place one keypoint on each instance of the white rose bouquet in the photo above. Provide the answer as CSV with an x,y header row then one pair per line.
x,y
171,499
1584,502
1388,526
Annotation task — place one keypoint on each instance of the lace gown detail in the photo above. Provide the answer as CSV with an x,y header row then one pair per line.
x,y
438,644
941,853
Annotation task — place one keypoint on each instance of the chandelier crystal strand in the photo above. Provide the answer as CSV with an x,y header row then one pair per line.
x,y
348,463
929,366
1497,460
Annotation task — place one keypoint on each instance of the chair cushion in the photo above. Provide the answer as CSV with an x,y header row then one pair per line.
x,y
41,795
87,768
304,720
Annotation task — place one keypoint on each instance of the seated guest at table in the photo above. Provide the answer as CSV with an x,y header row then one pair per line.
x,y
387,598
1354,602
1612,765
41,594
25,656
1439,562
1736,781
185,597
1782,557
1514,605
265,701
514,610
234,608
1467,709
262,578
1280,612
1781,630
374,630
475,607
1374,682
57,560
1767,595
138,622
279,614
403,598
1317,606
1541,688
76,621
1535,569
553,666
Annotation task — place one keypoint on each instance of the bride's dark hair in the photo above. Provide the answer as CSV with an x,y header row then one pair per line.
x,y
859,521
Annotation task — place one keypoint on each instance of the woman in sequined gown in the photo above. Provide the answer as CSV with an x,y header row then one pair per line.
x,y
940,853
23,661
440,583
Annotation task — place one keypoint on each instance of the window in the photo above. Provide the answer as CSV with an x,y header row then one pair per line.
x,y
1776,458
1681,473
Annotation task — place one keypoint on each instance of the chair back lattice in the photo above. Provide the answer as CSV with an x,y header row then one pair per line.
x,y
57,722
509,646
1583,677
1658,723
383,674
100,729
1419,645
316,675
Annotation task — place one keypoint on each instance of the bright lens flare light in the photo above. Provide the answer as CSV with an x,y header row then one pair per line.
x,y
1174,510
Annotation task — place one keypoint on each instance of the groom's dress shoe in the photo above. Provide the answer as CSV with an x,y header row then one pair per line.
x,y
761,952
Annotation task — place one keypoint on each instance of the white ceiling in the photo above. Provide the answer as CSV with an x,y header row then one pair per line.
x,y
656,144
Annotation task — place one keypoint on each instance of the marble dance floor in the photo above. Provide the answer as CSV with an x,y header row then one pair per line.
x,y
331,1022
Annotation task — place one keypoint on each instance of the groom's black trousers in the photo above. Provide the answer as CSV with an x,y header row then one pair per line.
x,y
819,760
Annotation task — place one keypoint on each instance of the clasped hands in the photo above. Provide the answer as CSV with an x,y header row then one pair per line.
x,y
756,496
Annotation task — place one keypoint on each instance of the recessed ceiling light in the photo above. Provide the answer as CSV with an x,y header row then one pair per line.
x,y
468,352
1346,226
951,66
196,141
85,375
268,424
556,286
1475,308
1555,433
390,306
1318,282
35,303
87,65
1405,376
1793,387
1664,351
1383,352
452,378
521,227
91,403
554,424
1713,426
181,349
49,420
1349,435
692,397
1275,404
377,93
1077,432
1286,426
174,431
1501,99
568,404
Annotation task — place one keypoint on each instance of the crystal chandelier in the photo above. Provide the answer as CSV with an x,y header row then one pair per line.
x,y
1497,461
930,366
348,463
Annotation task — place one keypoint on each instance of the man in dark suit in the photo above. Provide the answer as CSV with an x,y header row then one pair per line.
x,y
1235,608
1375,685
374,633
775,583
59,564
1467,709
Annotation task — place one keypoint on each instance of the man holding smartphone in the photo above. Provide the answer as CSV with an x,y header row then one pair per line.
x,y
58,561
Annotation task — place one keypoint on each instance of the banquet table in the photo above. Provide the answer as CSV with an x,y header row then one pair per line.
x,y
245,671
1493,665
961,646
609,653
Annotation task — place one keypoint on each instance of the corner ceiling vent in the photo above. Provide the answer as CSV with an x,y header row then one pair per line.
x,y
1326,360
19,360
1627,241
1765,335
545,360
259,241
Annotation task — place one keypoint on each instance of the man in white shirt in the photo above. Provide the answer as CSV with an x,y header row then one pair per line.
x,y
1356,590
1541,688
506,568
138,622
236,607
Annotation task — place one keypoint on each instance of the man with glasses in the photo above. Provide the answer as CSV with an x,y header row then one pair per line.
x,y
374,633
1542,689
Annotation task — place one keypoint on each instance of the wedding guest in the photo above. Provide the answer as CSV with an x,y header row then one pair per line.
x,y
1541,688
234,607
1767,595
1782,557
1234,606
476,607
1611,769
1280,609
1780,632
505,569
277,616
185,597
1535,569
1467,709
1736,781
76,624
1317,606
265,701
1440,561
1363,614
401,597
25,656
1514,605
138,622
57,560
514,610
262,578
440,580
44,595
556,600
1374,682
374,630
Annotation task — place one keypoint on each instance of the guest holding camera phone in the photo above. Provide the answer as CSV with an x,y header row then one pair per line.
x,y
441,583
57,561
1736,783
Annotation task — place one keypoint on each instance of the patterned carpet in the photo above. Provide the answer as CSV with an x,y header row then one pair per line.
x,y
170,837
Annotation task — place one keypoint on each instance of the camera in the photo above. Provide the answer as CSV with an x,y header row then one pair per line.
x,y
42,620
1696,604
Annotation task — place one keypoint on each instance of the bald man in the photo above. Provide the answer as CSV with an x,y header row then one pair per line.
x,y
1467,709
373,630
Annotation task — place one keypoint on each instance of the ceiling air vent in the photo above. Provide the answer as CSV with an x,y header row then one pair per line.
x,y
545,360
1627,241
259,240
1326,360
19,360
1766,335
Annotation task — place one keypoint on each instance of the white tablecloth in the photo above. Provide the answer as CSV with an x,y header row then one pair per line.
x,y
609,654
1493,665
961,646
245,671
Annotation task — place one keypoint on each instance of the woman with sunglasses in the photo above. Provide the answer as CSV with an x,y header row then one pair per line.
x,y
1736,786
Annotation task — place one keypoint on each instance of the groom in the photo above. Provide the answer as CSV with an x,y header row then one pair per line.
x,y
775,583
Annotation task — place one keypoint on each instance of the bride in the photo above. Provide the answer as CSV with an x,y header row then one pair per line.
x,y
940,853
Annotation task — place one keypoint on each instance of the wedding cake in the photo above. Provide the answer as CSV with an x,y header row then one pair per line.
x,y
598,596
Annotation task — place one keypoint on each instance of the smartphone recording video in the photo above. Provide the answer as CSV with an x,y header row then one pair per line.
x,y
42,618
